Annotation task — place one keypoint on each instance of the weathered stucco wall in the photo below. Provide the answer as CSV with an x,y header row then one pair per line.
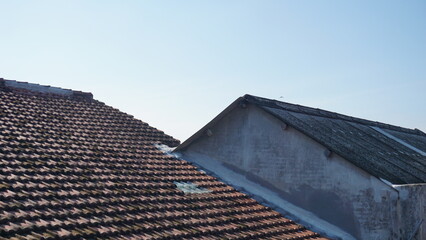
x,y
280,157
413,210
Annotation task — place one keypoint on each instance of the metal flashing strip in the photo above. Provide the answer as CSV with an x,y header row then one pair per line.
x,y
399,140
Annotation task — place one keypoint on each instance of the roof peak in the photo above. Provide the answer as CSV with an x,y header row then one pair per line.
x,y
45,89
324,113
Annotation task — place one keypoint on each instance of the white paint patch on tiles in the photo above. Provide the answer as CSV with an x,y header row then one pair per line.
x,y
167,150
190,188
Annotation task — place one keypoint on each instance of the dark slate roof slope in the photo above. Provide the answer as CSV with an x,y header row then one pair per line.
x,y
74,168
393,153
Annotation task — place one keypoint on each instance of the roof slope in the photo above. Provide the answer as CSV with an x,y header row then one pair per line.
x,y
393,153
73,167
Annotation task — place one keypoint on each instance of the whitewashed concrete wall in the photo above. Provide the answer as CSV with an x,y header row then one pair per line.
x,y
255,143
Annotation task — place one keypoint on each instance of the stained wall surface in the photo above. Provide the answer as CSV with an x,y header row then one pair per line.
x,y
413,210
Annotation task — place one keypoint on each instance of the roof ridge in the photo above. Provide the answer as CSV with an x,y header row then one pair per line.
x,y
43,89
325,113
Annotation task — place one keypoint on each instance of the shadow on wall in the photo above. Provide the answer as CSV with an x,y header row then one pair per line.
x,y
327,205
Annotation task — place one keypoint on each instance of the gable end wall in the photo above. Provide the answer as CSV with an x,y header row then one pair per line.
x,y
253,141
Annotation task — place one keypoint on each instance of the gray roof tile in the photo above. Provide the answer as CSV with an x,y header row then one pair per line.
x,y
357,140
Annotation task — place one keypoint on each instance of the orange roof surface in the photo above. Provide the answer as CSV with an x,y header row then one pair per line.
x,y
73,167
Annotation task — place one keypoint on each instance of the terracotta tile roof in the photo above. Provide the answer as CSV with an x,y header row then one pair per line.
x,y
73,167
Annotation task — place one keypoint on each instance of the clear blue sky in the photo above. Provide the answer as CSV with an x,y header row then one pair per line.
x,y
177,64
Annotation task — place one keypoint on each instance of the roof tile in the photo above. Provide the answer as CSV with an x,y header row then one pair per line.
x,y
360,141
73,167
